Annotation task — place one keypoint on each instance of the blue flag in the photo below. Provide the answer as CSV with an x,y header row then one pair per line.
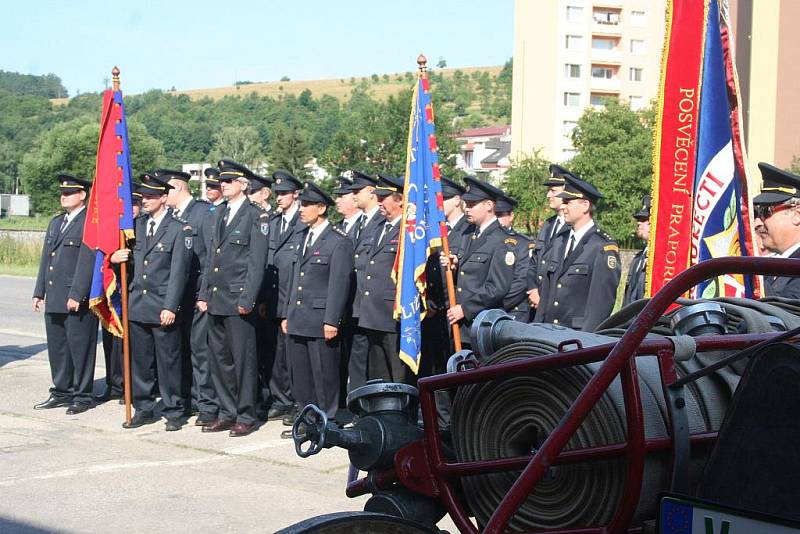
x,y
422,221
720,225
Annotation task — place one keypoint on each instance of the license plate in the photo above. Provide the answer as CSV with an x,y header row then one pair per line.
x,y
681,515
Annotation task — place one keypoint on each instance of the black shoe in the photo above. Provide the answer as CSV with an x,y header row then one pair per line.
x,y
77,407
52,402
288,420
140,419
108,395
173,425
277,411
204,418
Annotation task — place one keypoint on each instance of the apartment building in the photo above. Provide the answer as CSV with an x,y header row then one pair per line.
x,y
572,54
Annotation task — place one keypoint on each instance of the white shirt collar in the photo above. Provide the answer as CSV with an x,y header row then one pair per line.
x,y
370,214
789,251
183,205
348,221
288,215
454,223
486,224
71,216
317,231
219,201
157,220
582,232
233,207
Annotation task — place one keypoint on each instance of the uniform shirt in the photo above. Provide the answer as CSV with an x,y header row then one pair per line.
x,y
69,217
157,221
180,210
287,216
314,234
516,301
348,222
233,207
575,236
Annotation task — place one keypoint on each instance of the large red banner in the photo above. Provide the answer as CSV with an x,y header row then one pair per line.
x,y
674,143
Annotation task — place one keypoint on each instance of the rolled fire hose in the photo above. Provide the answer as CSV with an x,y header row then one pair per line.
x,y
513,417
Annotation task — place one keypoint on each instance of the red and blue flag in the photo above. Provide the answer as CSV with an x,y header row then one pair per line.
x,y
423,217
109,211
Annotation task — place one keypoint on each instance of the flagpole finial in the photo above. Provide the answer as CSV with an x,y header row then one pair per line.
x,y
422,61
115,77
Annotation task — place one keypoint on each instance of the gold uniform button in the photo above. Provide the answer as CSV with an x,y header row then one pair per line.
x,y
299,288
144,276
216,269
555,321
144,291
462,273
368,276
214,289
555,303
51,267
356,255
459,290
558,286
52,253
540,277
50,282
372,262
218,251
542,262
301,274
298,303
145,262
366,293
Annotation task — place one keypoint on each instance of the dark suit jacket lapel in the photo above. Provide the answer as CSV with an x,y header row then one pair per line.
x,y
386,239
576,251
290,229
318,243
74,222
220,229
162,228
234,223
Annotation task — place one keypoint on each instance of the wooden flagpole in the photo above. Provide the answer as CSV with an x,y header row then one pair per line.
x,y
123,268
422,61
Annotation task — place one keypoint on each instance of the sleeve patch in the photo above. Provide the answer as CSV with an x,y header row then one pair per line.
x,y
510,241
610,248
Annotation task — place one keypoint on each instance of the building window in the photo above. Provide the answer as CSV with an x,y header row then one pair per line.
x,y
468,158
606,17
572,70
567,128
572,100
638,18
602,72
637,47
602,43
599,99
635,74
574,42
574,13
637,102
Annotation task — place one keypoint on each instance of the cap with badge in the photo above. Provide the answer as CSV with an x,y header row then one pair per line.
x,y
558,176
258,182
230,170
477,190
212,178
388,185
169,174
777,185
574,188
285,182
72,184
362,180
313,193
505,204
152,186
450,188
345,184
644,213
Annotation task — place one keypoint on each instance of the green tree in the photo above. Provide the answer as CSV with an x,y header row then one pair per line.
x,y
524,181
71,147
615,153
239,143
289,150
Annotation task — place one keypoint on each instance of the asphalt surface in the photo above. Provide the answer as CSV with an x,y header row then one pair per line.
x,y
85,473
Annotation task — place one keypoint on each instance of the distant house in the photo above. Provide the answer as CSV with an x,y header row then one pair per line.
x,y
485,151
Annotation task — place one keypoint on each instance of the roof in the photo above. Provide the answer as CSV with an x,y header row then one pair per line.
x,y
487,131
501,150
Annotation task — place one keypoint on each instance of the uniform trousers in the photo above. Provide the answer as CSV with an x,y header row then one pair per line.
x,y
112,351
265,346
280,381
203,396
71,347
234,365
359,354
384,357
315,363
155,347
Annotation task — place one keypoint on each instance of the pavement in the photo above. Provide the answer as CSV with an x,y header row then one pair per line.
x,y
85,473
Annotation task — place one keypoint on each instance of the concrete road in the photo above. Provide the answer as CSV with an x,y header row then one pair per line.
x,y
85,473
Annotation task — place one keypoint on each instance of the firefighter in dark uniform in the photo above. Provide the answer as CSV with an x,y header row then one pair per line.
x,y
777,209
198,388
317,303
637,273
213,187
516,301
234,274
583,267
282,252
161,262
551,228
485,265
63,283
377,293
346,206
367,228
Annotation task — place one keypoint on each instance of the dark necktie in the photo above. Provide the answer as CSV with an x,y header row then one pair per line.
x,y
151,232
387,229
63,224
284,225
176,213
571,245
360,227
308,242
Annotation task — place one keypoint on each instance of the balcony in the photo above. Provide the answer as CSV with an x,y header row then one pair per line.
x,y
607,57
610,85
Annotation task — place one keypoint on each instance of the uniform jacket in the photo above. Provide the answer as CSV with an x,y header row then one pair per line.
x,y
485,271
516,301
544,242
378,290
282,252
435,275
160,270
363,246
196,214
236,259
783,286
634,287
579,291
320,283
65,270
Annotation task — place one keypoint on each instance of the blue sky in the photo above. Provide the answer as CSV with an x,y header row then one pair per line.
x,y
207,44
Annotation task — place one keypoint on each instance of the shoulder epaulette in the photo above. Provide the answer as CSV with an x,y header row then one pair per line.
x,y
180,220
260,208
510,241
263,215
611,248
141,214
338,231
605,235
202,201
274,214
